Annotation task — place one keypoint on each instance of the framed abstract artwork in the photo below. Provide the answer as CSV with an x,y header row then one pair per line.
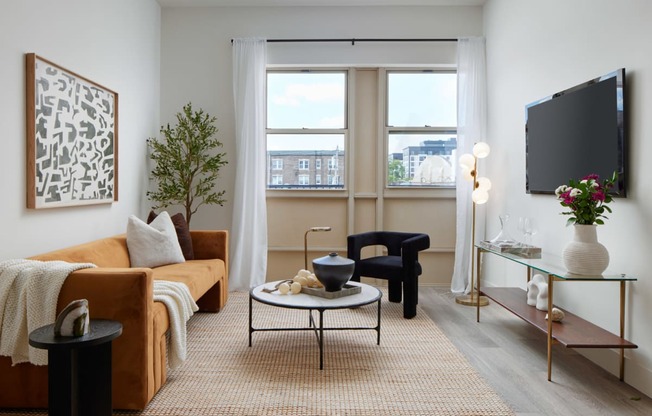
x,y
72,138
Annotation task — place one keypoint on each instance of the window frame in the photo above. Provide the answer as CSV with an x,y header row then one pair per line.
x,y
344,131
389,130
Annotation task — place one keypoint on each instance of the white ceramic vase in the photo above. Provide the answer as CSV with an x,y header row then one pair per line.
x,y
585,255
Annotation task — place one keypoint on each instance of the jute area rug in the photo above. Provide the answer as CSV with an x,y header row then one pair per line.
x,y
415,370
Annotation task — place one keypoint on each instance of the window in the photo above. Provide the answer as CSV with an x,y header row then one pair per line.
x,y
333,179
421,127
304,180
332,163
277,164
306,121
317,179
277,179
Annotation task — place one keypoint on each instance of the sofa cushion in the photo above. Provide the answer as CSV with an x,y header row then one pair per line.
x,y
183,233
155,244
198,275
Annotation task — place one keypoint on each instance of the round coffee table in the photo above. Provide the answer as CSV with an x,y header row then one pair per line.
x,y
368,294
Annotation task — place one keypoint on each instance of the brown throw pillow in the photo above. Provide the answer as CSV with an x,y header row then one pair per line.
x,y
183,233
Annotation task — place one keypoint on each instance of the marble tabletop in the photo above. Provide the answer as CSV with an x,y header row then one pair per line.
x,y
367,295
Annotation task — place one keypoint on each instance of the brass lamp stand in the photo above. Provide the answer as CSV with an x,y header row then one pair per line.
x,y
472,298
480,195
305,243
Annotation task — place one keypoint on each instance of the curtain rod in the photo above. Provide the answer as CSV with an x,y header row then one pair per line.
x,y
354,40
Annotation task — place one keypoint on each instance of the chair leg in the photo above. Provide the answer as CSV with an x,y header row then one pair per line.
x,y
409,311
410,299
395,291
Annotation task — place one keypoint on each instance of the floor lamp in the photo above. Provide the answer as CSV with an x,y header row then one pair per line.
x,y
479,196
305,243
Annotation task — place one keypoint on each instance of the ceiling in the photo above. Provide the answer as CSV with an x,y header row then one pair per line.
x,y
250,3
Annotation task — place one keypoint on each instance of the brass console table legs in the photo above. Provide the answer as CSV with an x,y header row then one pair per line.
x,y
551,279
622,330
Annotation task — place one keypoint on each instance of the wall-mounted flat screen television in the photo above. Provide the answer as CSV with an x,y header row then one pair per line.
x,y
576,132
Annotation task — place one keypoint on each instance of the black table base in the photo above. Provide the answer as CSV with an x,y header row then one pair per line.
x,y
317,329
79,369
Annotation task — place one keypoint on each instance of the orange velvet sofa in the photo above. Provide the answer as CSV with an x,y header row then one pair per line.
x,y
116,291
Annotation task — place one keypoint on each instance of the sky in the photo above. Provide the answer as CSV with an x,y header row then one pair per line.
x,y
318,100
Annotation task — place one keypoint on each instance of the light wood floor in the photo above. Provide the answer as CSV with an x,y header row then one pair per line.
x,y
511,355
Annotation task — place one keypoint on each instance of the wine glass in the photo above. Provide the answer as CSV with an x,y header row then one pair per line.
x,y
529,229
521,229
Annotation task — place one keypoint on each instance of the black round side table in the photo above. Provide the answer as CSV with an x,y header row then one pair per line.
x,y
79,368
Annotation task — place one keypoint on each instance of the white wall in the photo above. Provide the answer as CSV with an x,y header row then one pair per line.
x,y
114,43
196,55
537,48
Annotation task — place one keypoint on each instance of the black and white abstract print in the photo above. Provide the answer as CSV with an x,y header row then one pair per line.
x,y
74,139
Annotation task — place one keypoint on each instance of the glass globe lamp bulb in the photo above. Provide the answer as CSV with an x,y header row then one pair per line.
x,y
467,175
480,196
481,150
467,161
484,183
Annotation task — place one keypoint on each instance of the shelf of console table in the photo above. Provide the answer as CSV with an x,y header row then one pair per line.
x,y
573,331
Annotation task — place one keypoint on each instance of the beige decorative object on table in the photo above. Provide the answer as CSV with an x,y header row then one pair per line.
x,y
303,280
74,320
283,288
295,288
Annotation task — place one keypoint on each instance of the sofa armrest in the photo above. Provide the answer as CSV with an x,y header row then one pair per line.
x,y
211,244
124,295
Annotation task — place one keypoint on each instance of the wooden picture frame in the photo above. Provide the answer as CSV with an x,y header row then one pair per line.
x,y
72,137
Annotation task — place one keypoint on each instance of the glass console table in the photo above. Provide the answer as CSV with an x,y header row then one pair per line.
x,y
573,331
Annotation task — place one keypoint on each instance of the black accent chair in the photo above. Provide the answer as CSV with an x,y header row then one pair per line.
x,y
400,267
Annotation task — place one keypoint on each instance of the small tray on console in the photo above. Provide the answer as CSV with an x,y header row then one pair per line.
x,y
518,249
322,293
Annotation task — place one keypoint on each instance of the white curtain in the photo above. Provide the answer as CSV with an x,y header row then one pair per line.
x,y
248,264
471,128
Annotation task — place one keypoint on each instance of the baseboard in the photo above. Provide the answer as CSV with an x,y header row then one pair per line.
x,y
636,375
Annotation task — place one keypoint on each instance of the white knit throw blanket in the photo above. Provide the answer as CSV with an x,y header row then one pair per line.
x,y
29,290
181,306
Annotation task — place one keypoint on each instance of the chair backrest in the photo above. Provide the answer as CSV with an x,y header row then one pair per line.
x,y
393,240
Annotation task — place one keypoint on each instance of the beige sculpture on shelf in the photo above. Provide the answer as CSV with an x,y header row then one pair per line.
x,y
537,292
537,296
557,315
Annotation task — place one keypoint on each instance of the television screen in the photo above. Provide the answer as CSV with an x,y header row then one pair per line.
x,y
577,132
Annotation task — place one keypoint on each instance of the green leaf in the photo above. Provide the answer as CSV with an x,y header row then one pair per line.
x,y
186,163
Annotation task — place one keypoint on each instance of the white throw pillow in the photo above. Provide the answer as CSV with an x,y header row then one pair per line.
x,y
153,244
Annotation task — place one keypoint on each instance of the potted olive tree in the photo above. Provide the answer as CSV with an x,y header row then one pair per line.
x,y
187,164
